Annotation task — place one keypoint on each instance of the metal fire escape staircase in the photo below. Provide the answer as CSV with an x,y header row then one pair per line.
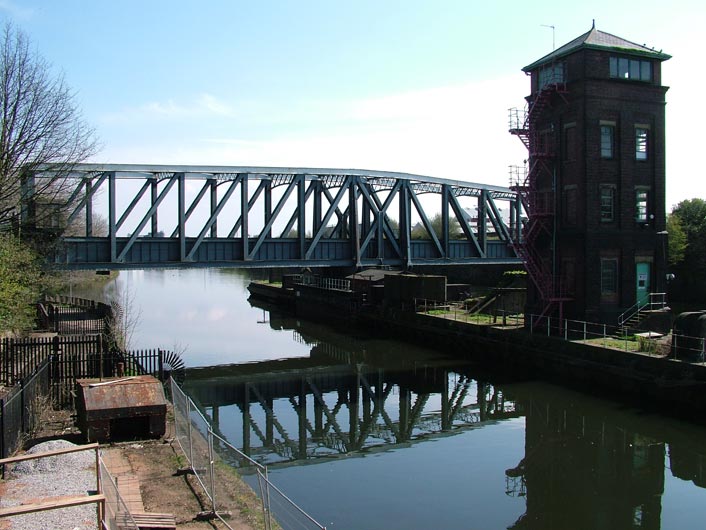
x,y
539,204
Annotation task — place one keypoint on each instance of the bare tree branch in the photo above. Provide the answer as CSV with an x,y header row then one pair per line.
x,y
41,128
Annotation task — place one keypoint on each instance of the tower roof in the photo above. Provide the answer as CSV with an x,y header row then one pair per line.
x,y
598,40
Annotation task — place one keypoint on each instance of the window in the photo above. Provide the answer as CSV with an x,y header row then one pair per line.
x,y
607,141
607,204
641,205
641,134
551,75
609,276
634,69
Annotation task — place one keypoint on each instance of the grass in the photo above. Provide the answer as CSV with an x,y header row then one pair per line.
x,y
460,315
627,344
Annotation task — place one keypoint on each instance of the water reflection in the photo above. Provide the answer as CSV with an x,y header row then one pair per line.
x,y
343,398
586,464
608,473
395,436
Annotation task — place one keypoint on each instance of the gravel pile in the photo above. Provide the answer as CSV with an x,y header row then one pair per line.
x,y
62,475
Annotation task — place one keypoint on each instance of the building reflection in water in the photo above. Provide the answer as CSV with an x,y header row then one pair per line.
x,y
585,465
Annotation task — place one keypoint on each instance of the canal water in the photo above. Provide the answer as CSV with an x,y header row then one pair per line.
x,y
370,433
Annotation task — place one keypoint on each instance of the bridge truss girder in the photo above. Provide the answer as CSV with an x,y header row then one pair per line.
x,y
259,217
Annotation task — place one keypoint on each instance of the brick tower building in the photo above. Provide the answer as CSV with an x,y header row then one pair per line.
x,y
594,187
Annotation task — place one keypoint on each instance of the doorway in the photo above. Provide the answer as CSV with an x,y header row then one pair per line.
x,y
642,273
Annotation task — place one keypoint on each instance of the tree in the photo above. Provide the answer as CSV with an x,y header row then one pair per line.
x,y
41,128
419,231
20,278
677,239
690,283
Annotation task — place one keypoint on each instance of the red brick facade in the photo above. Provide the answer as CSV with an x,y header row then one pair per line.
x,y
606,178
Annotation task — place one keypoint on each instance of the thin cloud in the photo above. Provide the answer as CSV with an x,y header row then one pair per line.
x,y
203,106
457,131
22,13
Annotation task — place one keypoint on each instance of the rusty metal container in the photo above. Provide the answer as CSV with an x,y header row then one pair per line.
x,y
125,408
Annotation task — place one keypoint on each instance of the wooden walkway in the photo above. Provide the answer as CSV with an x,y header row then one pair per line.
x,y
129,488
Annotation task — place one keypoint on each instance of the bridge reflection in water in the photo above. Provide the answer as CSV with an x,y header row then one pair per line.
x,y
337,402
587,464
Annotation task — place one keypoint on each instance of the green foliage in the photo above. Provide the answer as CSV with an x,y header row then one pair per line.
x,y
420,232
677,239
20,285
690,283
692,215
515,274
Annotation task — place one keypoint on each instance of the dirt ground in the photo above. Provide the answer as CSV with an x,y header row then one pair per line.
x,y
165,488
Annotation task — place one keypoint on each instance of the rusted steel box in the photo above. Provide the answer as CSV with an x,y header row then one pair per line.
x,y
125,408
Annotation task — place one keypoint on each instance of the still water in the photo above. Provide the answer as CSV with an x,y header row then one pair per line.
x,y
368,433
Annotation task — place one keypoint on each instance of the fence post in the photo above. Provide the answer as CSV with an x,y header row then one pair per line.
x,y
584,331
268,509
211,470
549,326
2,435
22,409
12,351
703,348
188,422
566,329
160,360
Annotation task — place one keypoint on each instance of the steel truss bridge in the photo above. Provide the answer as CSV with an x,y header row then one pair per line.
x,y
161,216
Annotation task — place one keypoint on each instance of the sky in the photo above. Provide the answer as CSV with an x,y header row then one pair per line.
x,y
413,86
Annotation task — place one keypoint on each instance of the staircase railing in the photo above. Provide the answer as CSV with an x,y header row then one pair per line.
x,y
653,302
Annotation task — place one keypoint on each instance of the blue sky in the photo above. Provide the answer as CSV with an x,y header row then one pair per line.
x,y
416,86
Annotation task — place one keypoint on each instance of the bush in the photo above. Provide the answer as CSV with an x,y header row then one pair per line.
x,y
20,276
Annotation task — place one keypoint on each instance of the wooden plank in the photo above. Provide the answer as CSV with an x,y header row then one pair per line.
x,y
55,452
147,520
51,504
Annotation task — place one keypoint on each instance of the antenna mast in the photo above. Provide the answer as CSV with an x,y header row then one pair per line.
x,y
553,30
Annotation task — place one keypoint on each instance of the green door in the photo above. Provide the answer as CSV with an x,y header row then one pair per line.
x,y
643,283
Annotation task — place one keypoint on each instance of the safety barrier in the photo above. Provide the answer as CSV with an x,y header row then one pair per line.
x,y
21,407
332,284
211,457
683,347
116,515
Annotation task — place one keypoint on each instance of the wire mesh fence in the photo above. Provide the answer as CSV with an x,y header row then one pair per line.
x,y
211,457
116,515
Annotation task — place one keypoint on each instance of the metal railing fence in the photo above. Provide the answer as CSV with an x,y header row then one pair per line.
x,y
457,311
654,301
335,284
683,347
20,409
74,357
210,457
